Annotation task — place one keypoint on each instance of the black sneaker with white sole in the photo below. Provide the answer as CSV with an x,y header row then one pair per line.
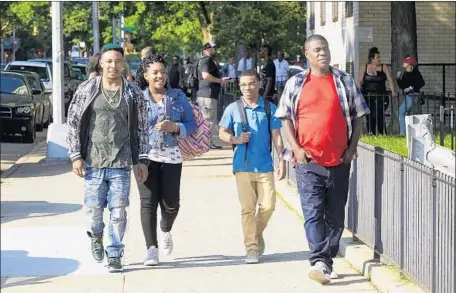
x,y
96,246
115,265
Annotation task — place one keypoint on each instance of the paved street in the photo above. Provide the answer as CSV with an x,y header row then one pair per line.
x,y
45,249
12,149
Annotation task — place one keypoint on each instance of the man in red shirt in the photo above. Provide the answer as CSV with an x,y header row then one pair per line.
x,y
321,110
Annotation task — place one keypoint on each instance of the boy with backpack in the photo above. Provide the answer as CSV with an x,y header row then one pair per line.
x,y
249,124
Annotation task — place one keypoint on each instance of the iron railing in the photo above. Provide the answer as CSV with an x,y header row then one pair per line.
x,y
384,121
404,211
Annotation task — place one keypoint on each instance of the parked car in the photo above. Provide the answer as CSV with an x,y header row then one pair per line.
x,y
295,69
44,70
80,60
45,98
21,106
71,81
80,71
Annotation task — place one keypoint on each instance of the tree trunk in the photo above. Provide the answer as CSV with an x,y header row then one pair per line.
x,y
205,22
403,44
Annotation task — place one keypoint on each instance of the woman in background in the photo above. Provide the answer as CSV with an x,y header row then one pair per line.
x,y
372,81
410,82
93,67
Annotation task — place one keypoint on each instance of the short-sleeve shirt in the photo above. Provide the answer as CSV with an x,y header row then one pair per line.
x,y
258,157
208,89
268,70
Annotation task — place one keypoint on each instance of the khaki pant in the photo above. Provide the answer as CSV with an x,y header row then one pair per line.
x,y
255,188
209,109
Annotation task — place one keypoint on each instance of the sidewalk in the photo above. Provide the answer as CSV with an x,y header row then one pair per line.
x,y
45,248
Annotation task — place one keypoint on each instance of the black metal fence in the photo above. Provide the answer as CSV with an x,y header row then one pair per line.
x,y
404,211
388,114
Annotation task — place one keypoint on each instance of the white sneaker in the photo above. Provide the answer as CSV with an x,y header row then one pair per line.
x,y
151,256
334,275
320,273
167,243
251,257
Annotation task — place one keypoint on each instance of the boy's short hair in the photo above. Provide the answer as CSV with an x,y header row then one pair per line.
x,y
250,73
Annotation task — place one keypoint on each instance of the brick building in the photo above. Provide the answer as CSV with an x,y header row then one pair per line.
x,y
354,27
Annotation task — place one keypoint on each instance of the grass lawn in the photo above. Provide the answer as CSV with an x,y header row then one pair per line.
x,y
396,144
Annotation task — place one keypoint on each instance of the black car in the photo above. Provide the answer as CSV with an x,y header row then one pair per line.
x,y
46,97
21,107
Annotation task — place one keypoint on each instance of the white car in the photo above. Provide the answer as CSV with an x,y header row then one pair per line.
x,y
295,69
42,69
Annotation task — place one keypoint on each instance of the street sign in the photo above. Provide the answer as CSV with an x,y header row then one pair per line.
x,y
129,29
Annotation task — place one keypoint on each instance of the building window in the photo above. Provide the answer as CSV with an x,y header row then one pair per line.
x,y
349,68
322,13
348,9
312,16
335,11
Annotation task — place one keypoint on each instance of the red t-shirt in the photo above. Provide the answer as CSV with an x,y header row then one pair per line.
x,y
322,128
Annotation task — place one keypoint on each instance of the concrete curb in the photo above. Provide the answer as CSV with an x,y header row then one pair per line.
x,y
384,278
23,160
358,255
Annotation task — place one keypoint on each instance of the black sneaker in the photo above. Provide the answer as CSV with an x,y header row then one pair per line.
x,y
97,248
115,265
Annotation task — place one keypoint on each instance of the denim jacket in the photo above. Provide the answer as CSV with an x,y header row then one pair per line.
x,y
177,110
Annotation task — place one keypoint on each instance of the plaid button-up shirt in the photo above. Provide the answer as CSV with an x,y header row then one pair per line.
x,y
351,100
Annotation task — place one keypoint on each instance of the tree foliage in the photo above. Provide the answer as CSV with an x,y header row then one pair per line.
x,y
172,27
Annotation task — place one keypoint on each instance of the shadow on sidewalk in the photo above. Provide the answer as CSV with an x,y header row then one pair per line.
x,y
16,210
220,261
32,270
208,165
211,159
40,169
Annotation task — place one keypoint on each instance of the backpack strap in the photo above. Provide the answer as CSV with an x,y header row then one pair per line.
x,y
245,125
267,109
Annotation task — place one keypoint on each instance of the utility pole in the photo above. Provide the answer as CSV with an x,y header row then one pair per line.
x,y
14,45
2,49
114,30
122,33
57,130
96,30
58,57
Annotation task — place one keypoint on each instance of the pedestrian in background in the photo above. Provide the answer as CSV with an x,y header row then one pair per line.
x,y
107,133
170,117
249,124
322,151
410,82
209,87
372,80
147,51
93,67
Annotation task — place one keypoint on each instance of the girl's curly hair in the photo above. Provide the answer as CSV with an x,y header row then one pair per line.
x,y
145,63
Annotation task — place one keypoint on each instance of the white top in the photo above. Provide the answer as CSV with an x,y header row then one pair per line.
x,y
249,65
168,155
282,68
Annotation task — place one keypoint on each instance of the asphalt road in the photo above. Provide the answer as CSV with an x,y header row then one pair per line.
x,y
12,148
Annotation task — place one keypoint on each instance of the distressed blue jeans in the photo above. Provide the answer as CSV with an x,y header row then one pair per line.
x,y
107,188
323,192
